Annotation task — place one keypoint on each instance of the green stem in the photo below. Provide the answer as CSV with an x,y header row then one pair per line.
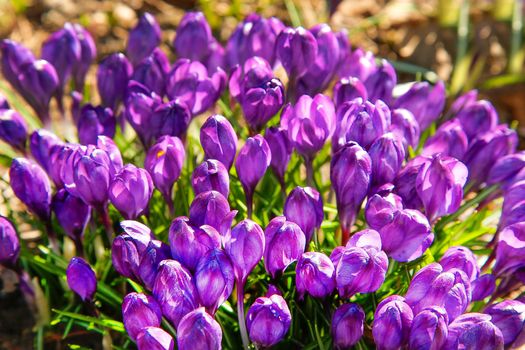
x,y
240,315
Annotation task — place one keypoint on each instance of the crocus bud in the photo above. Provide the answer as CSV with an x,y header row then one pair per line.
x,y
211,208
425,103
483,286
211,175
348,89
429,329
245,247
255,72
112,78
218,139
510,249
260,103
58,157
387,154
143,38
139,311
508,170
431,286
315,275
154,338
128,248
381,207
474,331
347,325
193,37
513,205
13,129
214,279
392,321
350,172
81,278
254,36
251,164
296,48
477,118
460,258
405,126
67,166
268,320
191,82
130,191
164,162
362,122
72,214
486,149
449,140
381,82
463,101
439,185
198,330
95,121
189,244
14,57
171,118
150,260
152,72
509,317
281,150
284,244
310,123
361,266
40,144
304,206
140,103
88,53
107,144
9,243
174,291
405,183
408,236
31,185
92,176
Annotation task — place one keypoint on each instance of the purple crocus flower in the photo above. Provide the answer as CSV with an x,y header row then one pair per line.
x,y
510,249
95,121
347,325
406,127
219,140
191,82
449,140
483,287
72,215
508,170
9,243
92,176
513,205
107,144
509,317
405,183
13,129
198,330
315,275
88,53
251,164
155,252
460,258
268,320
171,118
214,279
439,185
189,244
387,154
381,82
81,278
152,72
130,191
477,118
304,206
392,322
381,207
211,208
281,150
408,236
140,103
41,142
139,311
463,101
284,244
429,329
154,338
474,331
432,286
128,247
296,48
194,37
31,185
14,57
359,64
348,89
143,38
112,78
350,172
211,175
174,291
58,156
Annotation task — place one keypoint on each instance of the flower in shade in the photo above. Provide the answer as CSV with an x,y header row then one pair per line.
x,y
130,191
281,150
155,252
348,89
483,286
41,142
296,48
9,243
347,325
198,330
129,247
112,79
508,170
268,320
392,321
88,53
174,291
474,331
211,208
387,154
381,207
152,72
92,175
304,206
211,175
81,278
218,139
143,38
154,338
509,317
13,129
406,127
139,311
405,183
94,121
477,117
381,82
429,329
284,244
14,57
315,275
139,105
31,185
72,214
170,118
449,140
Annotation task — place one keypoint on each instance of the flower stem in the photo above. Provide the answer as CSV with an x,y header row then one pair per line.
x,y
51,235
249,202
106,221
240,315
309,171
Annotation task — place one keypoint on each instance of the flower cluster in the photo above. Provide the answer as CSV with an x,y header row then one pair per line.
x,y
403,177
